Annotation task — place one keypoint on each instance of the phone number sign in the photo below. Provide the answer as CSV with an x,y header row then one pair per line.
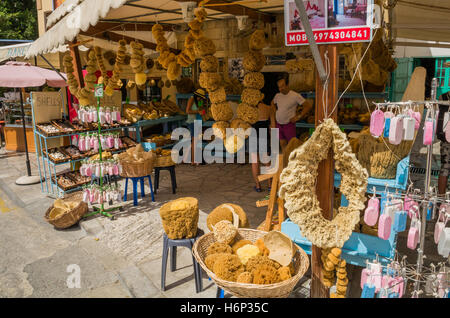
x,y
330,36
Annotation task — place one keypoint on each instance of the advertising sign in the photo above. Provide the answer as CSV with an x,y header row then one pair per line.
x,y
332,21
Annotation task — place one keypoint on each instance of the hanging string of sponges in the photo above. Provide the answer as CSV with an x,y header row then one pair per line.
x,y
169,60
114,82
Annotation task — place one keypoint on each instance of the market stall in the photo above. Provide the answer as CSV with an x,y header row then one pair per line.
x,y
342,185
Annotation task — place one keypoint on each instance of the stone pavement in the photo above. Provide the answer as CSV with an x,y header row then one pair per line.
x,y
121,258
36,258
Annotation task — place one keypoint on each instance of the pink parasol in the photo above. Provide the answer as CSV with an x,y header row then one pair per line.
x,y
21,74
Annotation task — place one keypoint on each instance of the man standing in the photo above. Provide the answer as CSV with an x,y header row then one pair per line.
x,y
285,103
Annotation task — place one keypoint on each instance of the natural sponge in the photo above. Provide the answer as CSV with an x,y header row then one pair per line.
x,y
254,261
246,252
265,274
251,96
180,218
224,232
254,80
210,81
218,247
218,96
211,259
225,212
220,129
228,267
222,111
284,273
253,61
247,113
237,245
234,143
257,40
209,63
239,123
262,248
245,278
204,46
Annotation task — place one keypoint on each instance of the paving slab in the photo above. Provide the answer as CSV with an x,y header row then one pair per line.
x,y
138,284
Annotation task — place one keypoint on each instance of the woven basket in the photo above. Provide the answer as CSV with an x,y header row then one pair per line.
x,y
278,290
164,161
68,218
137,169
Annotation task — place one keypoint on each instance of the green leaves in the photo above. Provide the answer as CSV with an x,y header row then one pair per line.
x,y
18,20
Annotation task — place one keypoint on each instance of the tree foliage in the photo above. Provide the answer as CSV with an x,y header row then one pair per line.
x,y
18,19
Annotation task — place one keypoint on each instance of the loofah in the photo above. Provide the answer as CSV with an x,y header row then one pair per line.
x,y
251,96
254,61
245,278
254,80
262,248
246,252
218,96
209,63
204,46
237,245
257,40
298,187
210,81
218,247
228,267
247,113
211,259
265,274
284,273
224,231
222,112
254,261
220,129
180,218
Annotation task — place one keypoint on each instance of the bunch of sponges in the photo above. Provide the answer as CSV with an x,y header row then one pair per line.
x,y
332,263
114,82
103,79
244,261
137,62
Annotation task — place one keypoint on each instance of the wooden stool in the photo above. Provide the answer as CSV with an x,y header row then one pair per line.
x,y
135,192
172,245
173,177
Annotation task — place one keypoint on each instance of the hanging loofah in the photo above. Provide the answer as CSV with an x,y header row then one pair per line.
x,y
247,113
209,63
298,187
254,80
218,96
210,81
257,40
204,46
220,129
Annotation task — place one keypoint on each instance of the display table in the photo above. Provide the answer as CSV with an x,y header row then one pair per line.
x,y
176,121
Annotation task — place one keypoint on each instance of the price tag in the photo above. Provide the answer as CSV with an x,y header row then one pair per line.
x,y
98,91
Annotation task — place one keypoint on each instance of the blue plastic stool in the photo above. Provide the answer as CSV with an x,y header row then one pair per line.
x,y
219,293
135,192
169,244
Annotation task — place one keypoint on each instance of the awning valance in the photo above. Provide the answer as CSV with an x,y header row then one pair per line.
x,y
13,51
80,18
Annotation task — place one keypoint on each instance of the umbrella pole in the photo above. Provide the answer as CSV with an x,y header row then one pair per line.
x,y
25,135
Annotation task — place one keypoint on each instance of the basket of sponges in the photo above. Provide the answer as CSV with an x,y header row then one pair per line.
x,y
136,162
63,213
249,263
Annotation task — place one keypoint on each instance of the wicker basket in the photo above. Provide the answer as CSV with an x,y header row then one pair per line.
x,y
278,290
164,161
137,169
68,218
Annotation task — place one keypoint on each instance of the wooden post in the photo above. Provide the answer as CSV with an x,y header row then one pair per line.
x,y
325,179
77,63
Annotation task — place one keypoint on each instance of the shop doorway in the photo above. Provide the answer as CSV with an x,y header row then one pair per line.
x,y
270,88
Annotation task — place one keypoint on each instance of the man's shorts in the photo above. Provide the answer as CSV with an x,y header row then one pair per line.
x,y
287,131
445,159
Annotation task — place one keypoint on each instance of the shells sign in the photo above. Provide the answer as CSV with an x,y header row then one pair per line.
x,y
332,21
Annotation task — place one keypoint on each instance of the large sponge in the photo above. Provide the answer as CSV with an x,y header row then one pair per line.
x,y
222,111
180,218
225,212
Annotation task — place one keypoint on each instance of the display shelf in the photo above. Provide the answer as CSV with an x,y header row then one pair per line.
x,y
178,120
80,132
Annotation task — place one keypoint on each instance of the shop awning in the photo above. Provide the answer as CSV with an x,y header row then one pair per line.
x,y
13,51
80,18
422,20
